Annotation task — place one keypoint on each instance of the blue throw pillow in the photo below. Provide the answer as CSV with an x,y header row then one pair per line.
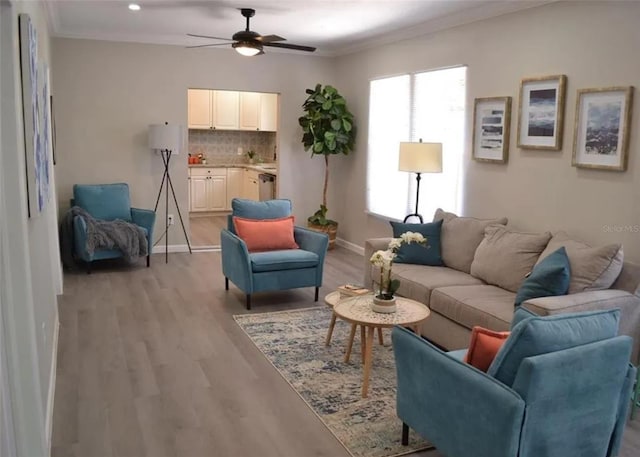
x,y
547,279
429,254
542,335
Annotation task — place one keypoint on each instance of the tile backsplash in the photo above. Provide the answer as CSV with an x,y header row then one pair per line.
x,y
221,146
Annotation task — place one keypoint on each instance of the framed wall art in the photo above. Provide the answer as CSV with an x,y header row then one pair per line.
x,y
541,112
491,128
601,133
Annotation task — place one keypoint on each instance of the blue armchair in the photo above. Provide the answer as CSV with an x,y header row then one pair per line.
x,y
558,387
107,202
273,270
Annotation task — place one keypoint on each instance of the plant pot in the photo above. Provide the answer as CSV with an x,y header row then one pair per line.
x,y
331,230
383,305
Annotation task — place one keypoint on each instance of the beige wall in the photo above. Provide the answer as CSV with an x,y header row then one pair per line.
x,y
28,251
593,43
108,93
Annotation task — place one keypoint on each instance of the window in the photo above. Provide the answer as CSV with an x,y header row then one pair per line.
x,y
428,106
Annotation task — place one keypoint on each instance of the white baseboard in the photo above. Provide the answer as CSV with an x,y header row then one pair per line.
x,y
160,249
52,384
350,246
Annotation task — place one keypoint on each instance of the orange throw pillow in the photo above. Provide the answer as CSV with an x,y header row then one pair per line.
x,y
266,234
484,346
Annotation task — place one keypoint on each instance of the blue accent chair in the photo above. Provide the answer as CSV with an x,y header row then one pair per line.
x,y
107,202
273,270
558,387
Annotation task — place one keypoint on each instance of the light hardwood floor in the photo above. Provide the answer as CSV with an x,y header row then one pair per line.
x,y
205,230
151,363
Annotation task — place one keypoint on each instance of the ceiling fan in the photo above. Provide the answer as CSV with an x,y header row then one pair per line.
x,y
250,43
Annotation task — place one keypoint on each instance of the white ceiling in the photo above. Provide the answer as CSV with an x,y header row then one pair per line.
x,y
333,26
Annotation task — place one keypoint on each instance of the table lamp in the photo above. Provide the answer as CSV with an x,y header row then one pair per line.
x,y
420,158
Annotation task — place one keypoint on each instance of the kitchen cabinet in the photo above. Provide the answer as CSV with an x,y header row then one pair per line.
x,y
226,105
251,185
234,184
268,112
207,189
199,108
232,110
249,111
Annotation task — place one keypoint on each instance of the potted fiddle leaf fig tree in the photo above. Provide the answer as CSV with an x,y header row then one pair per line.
x,y
328,129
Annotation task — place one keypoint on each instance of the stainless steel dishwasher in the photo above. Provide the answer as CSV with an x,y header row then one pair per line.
x,y
267,186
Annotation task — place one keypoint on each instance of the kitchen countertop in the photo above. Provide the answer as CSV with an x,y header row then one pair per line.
x,y
257,166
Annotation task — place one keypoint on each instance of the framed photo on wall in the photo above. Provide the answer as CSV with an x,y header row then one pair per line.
x,y
601,133
491,128
541,112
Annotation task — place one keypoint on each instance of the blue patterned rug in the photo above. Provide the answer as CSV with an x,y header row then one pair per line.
x,y
293,341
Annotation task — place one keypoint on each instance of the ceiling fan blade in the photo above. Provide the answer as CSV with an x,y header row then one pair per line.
x,y
296,47
270,38
207,36
209,45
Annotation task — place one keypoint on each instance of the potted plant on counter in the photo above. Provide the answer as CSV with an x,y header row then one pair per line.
x,y
328,129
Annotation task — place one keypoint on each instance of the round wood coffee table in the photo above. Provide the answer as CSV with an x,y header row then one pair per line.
x,y
357,310
330,300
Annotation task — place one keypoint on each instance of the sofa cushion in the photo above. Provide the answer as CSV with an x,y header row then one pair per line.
x,y
418,281
290,259
549,278
505,257
104,201
487,306
542,335
429,254
591,268
266,234
268,209
483,347
460,237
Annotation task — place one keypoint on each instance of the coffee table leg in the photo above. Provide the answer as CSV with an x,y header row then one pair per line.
x,y
380,337
363,341
367,361
352,335
331,325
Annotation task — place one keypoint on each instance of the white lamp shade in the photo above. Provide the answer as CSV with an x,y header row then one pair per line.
x,y
420,157
165,137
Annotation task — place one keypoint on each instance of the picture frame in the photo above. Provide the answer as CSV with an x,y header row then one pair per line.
x,y
491,129
601,132
541,112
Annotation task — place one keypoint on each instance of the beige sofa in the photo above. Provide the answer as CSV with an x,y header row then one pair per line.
x,y
485,263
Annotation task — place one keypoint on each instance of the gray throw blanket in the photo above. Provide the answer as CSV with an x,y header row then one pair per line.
x,y
124,236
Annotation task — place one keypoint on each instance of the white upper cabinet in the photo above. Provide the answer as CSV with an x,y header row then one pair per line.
x,y
231,110
249,111
199,108
269,112
225,109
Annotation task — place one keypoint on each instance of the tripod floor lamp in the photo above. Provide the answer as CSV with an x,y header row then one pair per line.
x,y
168,140
420,158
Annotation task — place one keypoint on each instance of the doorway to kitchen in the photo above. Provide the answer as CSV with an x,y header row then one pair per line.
x,y
233,153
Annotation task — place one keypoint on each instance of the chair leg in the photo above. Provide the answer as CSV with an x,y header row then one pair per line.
x,y
89,268
317,290
226,283
148,261
405,434
248,301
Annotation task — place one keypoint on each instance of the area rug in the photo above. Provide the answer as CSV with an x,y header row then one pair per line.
x,y
293,341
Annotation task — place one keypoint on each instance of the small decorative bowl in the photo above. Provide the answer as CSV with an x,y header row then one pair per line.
x,y
381,305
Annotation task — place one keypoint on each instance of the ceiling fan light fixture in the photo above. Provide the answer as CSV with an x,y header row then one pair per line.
x,y
247,48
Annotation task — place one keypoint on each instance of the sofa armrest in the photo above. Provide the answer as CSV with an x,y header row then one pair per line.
x,y
312,241
144,218
80,239
458,408
236,264
628,304
370,246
